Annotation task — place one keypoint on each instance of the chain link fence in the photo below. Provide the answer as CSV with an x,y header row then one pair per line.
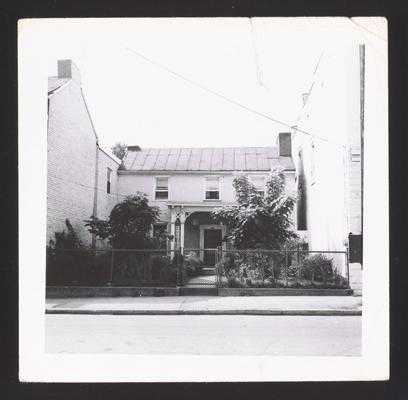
x,y
283,268
118,267
185,267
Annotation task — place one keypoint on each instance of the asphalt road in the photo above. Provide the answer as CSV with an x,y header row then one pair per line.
x,y
204,334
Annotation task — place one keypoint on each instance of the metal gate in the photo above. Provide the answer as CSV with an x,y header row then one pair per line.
x,y
199,268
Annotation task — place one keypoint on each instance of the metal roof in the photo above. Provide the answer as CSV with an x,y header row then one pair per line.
x,y
206,159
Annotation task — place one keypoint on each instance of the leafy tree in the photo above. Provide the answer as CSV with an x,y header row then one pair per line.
x,y
259,221
119,150
129,224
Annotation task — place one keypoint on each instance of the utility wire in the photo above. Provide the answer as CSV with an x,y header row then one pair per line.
x,y
228,99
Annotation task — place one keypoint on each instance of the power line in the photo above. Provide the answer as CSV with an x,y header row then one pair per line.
x,y
215,93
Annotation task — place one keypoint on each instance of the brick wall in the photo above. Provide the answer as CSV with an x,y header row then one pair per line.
x,y
72,148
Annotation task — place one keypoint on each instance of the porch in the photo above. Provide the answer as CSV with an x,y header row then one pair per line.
x,y
196,233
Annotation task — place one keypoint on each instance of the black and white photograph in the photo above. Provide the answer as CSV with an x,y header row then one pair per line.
x,y
207,195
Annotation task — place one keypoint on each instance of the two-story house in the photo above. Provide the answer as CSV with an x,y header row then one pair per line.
x,y
185,183
188,183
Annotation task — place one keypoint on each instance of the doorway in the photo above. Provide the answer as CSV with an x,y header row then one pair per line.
x,y
212,240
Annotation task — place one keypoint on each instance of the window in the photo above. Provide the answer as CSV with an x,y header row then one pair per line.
x,y
259,183
212,188
162,189
108,180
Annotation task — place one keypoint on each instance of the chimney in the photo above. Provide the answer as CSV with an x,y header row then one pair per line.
x,y
67,69
134,148
285,144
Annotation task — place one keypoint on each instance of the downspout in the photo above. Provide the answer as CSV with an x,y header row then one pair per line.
x,y
362,92
95,202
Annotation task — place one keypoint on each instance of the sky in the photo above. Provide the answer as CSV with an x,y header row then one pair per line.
x,y
190,82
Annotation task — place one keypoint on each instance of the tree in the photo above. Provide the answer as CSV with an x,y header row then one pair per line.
x,y
259,221
119,150
129,224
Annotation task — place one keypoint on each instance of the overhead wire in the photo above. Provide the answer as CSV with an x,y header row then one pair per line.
x,y
222,96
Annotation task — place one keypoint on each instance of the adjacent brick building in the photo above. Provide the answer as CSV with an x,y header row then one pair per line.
x,y
78,167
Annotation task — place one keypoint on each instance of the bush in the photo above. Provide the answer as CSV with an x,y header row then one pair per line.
x,y
193,265
318,268
67,260
158,266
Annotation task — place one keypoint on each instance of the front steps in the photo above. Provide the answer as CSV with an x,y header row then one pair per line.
x,y
208,271
202,285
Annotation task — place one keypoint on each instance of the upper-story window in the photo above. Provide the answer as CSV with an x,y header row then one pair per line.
x,y
108,180
212,188
259,183
162,189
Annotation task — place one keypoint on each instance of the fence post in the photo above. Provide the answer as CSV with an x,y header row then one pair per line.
x,y
286,267
179,267
219,265
216,265
348,267
111,270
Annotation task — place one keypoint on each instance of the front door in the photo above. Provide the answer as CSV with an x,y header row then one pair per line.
x,y
212,240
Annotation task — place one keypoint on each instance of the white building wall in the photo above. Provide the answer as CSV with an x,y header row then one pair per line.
x,y
331,115
184,188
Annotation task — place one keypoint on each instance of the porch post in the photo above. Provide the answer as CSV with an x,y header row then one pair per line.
x,y
173,218
182,221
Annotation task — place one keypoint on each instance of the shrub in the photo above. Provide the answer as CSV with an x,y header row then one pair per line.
x,y
233,282
318,267
67,260
193,265
158,266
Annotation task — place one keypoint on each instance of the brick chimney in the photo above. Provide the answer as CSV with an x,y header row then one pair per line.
x,y
285,144
68,69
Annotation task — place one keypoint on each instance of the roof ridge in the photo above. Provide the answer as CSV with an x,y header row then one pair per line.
x,y
205,147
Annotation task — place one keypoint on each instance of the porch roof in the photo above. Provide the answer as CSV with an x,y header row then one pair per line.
x,y
205,159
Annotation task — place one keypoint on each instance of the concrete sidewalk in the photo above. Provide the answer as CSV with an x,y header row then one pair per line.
x,y
208,305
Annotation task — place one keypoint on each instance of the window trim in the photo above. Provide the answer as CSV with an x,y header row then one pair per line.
x,y
205,187
155,186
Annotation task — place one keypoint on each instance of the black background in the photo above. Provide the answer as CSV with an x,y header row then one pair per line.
x,y
396,13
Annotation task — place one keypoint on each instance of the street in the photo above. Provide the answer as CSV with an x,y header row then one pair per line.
x,y
204,334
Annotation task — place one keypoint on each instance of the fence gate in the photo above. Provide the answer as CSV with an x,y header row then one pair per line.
x,y
199,268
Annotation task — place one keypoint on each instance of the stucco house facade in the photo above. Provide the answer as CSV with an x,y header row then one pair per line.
x,y
187,184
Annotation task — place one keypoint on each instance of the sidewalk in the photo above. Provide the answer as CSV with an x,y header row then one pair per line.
x,y
208,305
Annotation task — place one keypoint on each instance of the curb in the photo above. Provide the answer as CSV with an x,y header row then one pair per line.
x,y
208,312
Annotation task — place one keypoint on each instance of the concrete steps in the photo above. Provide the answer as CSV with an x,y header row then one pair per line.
x,y
208,271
